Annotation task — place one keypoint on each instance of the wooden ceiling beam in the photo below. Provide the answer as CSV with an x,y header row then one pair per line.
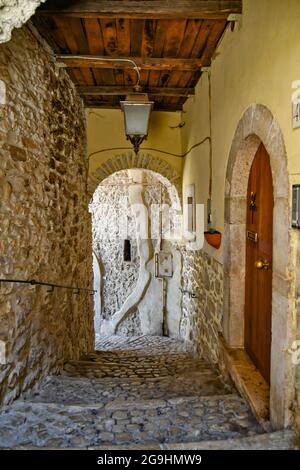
x,y
158,107
119,90
164,9
145,63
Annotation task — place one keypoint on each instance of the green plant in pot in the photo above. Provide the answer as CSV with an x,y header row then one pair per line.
x,y
213,237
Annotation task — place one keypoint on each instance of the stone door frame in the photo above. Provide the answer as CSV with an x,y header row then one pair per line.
x,y
255,127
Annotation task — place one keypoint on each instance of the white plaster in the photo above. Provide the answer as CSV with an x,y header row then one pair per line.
x,y
147,293
141,218
13,14
2,352
2,93
174,297
151,308
97,295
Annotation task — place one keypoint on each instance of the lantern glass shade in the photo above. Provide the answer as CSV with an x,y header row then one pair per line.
x,y
137,109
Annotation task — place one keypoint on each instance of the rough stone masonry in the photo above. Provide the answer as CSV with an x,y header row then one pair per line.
x,y
45,231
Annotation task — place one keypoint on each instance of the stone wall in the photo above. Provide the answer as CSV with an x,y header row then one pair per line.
x,y
201,319
44,222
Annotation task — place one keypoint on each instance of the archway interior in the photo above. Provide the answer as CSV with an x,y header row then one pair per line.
x,y
127,243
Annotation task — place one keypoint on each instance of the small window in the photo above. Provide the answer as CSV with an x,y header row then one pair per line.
x,y
190,201
127,251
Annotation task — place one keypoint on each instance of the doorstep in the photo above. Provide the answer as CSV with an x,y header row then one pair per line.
x,y
248,380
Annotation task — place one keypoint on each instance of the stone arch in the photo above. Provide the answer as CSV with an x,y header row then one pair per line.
x,y
255,127
128,161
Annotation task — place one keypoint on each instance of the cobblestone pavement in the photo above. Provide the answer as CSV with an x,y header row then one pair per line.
x,y
136,392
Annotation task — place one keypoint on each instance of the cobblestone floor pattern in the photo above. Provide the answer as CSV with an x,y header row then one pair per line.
x,y
145,390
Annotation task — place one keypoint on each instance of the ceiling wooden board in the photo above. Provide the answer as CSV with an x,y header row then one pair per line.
x,y
169,45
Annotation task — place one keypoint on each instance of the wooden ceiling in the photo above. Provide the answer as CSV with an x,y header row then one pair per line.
x,y
169,40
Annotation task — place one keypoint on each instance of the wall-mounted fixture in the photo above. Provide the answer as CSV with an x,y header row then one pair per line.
x,y
163,264
190,209
296,206
179,126
136,109
209,211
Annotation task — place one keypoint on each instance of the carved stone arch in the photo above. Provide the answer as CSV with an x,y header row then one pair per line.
x,y
255,127
128,161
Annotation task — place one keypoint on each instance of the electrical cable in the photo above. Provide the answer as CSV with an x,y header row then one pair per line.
x,y
106,59
183,155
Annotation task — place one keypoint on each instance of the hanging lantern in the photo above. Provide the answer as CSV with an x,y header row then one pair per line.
x,y
136,109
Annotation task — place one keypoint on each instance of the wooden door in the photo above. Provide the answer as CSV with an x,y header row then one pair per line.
x,y
259,249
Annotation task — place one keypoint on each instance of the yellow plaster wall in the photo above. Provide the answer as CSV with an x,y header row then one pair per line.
x,y
106,131
257,63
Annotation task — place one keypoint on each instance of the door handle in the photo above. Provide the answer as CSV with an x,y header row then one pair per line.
x,y
262,264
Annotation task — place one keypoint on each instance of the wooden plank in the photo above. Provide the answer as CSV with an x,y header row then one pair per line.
x,y
50,31
174,37
190,35
109,35
123,39
136,33
62,26
109,32
94,36
95,43
212,41
147,9
106,105
147,63
75,25
118,90
77,43
202,38
76,75
148,38
123,36
159,42
88,76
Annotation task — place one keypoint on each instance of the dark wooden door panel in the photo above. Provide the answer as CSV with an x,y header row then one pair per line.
x,y
258,298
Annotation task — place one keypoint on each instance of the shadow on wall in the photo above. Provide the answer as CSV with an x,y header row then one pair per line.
x,y
134,301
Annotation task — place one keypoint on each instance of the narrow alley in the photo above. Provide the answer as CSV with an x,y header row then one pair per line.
x,y
146,392
149,226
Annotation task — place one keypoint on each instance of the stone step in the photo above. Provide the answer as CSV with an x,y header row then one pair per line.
x,y
147,344
149,422
279,440
72,390
143,367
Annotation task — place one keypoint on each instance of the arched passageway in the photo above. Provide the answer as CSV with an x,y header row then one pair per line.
x,y
256,127
135,215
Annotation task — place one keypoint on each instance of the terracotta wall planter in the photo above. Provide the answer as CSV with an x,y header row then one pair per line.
x,y
213,239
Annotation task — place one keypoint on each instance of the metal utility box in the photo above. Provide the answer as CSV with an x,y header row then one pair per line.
x,y
296,206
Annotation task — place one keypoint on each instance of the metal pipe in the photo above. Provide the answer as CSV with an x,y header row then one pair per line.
x,y
33,282
107,59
